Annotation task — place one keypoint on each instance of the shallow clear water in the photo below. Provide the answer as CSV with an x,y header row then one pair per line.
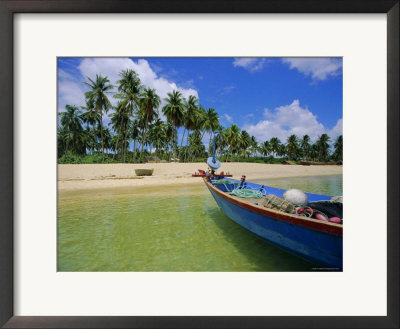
x,y
327,185
164,229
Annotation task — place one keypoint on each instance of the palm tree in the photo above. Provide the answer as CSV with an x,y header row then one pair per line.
x,y
323,147
192,118
91,139
211,122
72,134
91,116
174,111
129,88
338,153
305,146
265,148
220,136
157,134
120,124
195,144
275,145
149,103
254,145
245,141
98,97
292,147
107,139
201,120
314,151
281,150
134,134
169,137
233,139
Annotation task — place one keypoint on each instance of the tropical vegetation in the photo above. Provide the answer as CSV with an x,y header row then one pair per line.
x,y
136,131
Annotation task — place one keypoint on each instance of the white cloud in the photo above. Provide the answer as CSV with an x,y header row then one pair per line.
x,y
72,91
69,91
317,68
110,67
290,119
227,117
226,90
337,130
251,64
64,75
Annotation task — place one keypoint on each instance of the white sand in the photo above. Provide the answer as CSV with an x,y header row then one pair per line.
x,y
82,176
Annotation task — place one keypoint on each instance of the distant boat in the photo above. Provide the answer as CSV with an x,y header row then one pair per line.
x,y
144,172
319,241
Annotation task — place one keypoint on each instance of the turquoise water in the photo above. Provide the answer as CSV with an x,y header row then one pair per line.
x,y
327,185
165,229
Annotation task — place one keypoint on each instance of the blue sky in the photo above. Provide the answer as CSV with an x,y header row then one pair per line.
x,y
269,97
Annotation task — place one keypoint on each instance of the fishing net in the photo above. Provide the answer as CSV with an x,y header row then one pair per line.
x,y
329,208
247,193
224,185
274,202
221,181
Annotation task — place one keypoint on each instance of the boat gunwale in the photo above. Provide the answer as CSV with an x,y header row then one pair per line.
x,y
331,228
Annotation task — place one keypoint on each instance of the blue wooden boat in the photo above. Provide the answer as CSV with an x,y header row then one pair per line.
x,y
318,241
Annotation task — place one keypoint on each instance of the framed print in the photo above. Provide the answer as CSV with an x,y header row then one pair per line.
x,y
115,210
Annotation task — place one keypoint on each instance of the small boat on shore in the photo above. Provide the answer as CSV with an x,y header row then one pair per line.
x,y
316,240
144,172
308,225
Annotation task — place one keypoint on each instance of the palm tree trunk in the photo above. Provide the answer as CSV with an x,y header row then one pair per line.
x,y
173,145
101,133
187,148
184,129
204,132
124,144
116,144
209,142
143,140
134,151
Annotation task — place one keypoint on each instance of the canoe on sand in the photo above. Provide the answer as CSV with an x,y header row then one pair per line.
x,y
144,172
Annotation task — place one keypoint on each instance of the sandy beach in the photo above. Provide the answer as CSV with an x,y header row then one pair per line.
x,y
90,176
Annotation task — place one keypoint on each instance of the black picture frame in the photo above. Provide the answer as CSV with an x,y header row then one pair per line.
x,y
9,7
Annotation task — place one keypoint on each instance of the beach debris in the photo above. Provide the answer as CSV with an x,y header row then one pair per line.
x,y
295,196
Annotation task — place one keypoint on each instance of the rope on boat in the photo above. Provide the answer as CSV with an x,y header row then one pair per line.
x,y
240,192
222,181
225,182
246,193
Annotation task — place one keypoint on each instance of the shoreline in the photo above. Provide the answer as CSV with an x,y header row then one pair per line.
x,y
103,176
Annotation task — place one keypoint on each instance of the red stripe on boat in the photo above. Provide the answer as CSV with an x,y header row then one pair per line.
x,y
309,223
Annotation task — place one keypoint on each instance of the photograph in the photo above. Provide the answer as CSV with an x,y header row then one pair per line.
x,y
199,164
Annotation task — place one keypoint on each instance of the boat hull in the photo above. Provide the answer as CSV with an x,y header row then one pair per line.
x,y
144,172
318,246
